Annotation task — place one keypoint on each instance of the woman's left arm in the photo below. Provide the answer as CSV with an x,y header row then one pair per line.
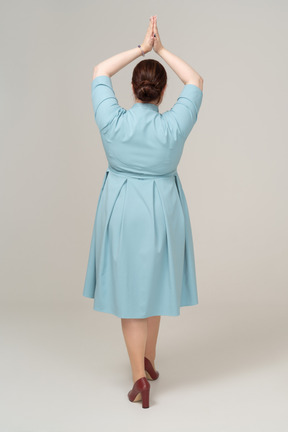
x,y
113,64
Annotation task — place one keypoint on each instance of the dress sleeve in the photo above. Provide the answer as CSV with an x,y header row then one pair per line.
x,y
105,103
183,115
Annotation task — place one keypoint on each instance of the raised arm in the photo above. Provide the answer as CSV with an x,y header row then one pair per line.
x,y
185,72
113,64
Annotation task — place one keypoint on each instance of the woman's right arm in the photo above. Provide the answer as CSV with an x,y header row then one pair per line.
x,y
185,72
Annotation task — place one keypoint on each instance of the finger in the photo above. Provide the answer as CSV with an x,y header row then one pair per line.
x,y
154,27
150,27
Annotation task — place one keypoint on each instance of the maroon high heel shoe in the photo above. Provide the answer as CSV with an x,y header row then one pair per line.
x,y
151,373
140,391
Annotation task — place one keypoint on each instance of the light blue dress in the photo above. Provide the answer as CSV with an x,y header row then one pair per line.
x,y
141,260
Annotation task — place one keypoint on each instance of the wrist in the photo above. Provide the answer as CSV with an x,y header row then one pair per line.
x,y
145,48
160,51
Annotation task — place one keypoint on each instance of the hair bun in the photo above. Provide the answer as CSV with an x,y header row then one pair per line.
x,y
146,83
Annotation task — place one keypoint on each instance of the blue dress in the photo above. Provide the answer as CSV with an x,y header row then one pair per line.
x,y
141,260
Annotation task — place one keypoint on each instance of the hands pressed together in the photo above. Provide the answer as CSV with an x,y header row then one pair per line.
x,y
152,38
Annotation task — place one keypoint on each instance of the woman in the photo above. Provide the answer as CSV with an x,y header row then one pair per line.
x,y
141,261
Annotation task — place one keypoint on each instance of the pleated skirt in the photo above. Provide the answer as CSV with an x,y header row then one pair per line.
x,y
141,261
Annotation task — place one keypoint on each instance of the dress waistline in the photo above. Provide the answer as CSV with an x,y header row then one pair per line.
x,y
140,175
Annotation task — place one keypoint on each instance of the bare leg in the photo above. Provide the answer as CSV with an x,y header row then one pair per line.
x,y
153,330
135,335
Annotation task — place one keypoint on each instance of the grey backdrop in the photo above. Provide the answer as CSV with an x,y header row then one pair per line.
x,y
233,171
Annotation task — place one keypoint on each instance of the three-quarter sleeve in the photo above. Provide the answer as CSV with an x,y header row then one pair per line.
x,y
105,103
183,115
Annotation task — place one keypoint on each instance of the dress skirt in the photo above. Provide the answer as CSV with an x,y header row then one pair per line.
x,y
141,259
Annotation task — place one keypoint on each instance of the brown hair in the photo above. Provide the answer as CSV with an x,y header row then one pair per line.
x,y
149,79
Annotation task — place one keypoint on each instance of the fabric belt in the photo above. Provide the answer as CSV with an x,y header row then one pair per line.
x,y
140,175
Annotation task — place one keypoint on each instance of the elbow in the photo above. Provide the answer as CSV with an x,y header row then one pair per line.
x,y
201,81
198,81
98,71
95,72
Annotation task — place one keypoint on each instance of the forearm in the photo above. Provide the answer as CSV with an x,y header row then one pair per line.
x,y
115,63
184,71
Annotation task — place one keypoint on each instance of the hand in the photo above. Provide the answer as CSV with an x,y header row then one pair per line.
x,y
157,46
148,42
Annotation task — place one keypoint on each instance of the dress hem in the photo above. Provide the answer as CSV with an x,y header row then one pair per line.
x,y
141,317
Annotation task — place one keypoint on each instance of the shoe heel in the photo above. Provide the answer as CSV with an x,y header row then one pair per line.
x,y
145,398
140,392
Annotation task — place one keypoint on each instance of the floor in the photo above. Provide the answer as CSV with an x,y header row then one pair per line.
x,y
64,367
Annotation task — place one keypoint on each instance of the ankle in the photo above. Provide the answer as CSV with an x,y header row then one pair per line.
x,y
151,357
137,376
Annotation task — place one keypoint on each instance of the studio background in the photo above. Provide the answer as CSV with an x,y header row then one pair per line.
x,y
232,346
